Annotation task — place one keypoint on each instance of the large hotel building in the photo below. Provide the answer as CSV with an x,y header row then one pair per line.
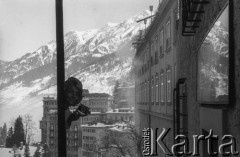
x,y
83,133
187,72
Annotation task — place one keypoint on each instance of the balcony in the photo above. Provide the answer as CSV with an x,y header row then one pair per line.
x,y
191,15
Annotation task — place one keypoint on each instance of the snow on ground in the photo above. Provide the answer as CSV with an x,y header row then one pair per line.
x,y
18,100
18,92
7,152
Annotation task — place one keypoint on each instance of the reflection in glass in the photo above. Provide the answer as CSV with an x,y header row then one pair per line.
x,y
28,76
213,62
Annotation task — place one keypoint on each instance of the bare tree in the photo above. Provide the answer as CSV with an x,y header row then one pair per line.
x,y
124,141
29,127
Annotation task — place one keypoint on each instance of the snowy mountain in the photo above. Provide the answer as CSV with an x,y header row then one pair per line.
x,y
214,63
97,57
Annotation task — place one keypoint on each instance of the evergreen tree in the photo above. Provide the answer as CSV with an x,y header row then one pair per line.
x,y
9,140
18,135
26,151
4,134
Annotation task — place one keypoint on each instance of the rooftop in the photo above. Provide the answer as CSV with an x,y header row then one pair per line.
x,y
98,125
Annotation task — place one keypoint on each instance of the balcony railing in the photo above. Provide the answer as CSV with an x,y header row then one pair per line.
x,y
191,11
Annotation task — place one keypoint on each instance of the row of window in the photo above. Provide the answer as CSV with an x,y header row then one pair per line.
x,y
72,149
89,146
72,143
50,102
159,87
85,153
89,130
123,118
90,138
98,103
90,118
74,135
53,118
162,39
99,109
161,42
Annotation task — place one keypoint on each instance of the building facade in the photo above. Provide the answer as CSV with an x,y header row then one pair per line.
x,y
49,130
48,124
93,140
187,72
155,71
208,70
124,96
76,135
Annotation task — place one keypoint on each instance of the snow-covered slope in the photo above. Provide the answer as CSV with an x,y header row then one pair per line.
x,y
97,57
214,63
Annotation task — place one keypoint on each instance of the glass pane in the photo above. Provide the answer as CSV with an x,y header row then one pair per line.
x,y
213,62
28,74
98,39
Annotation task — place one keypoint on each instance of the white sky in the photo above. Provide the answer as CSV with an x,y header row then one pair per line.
x,y
25,25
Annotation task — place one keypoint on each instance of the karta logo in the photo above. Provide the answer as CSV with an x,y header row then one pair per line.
x,y
181,144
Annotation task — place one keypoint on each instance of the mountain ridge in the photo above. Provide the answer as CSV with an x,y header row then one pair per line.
x,y
98,57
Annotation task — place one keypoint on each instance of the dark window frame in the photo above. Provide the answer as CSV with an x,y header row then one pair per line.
x,y
216,104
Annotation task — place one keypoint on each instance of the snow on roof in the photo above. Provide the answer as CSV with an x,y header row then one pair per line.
x,y
120,110
119,126
98,125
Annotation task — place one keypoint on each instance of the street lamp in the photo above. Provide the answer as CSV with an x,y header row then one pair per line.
x,y
151,9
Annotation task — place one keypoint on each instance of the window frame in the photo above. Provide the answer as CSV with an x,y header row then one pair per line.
x,y
161,43
162,88
212,103
152,90
157,89
169,85
168,32
156,49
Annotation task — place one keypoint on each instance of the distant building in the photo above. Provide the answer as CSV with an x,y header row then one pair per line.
x,y
99,104
74,139
93,140
49,116
122,114
94,117
124,96
121,141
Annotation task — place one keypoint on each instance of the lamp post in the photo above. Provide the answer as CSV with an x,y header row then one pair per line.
x,y
151,9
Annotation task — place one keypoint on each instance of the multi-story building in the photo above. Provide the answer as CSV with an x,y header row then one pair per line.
x,y
99,104
124,95
208,68
155,70
48,124
93,140
121,114
187,71
94,117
